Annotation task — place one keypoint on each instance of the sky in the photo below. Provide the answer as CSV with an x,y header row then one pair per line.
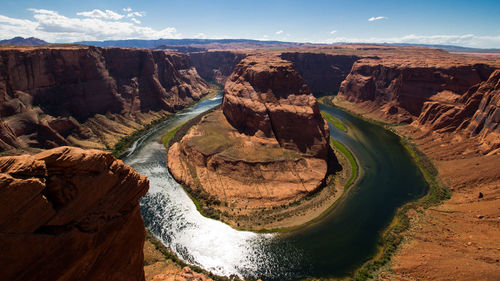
x,y
464,23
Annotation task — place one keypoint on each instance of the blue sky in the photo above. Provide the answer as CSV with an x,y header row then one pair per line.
x,y
466,23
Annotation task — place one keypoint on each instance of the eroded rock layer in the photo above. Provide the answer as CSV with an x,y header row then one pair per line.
x,y
406,85
476,113
266,97
268,145
53,96
323,73
216,65
438,94
70,214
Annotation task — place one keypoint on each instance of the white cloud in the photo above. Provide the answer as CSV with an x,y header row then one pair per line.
x,y
136,14
135,20
377,18
467,40
108,14
333,31
128,10
279,32
54,27
200,36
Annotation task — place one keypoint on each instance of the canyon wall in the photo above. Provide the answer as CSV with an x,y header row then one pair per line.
x,y
437,94
70,214
408,84
80,95
323,73
216,65
476,113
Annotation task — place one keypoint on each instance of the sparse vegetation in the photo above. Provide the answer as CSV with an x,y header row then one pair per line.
x,y
334,121
170,135
354,165
124,143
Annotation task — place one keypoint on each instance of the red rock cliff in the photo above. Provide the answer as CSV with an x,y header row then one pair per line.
x,y
266,96
476,113
406,84
323,73
47,93
70,214
216,65
439,92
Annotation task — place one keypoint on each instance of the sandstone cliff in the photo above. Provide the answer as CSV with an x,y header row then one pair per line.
x,y
266,97
404,85
476,113
268,145
323,73
438,94
70,214
216,65
80,95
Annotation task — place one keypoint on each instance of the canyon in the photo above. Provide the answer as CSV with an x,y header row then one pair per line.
x,y
91,97
87,96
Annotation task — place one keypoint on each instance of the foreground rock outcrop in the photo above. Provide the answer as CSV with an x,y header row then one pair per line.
x,y
88,96
267,146
70,214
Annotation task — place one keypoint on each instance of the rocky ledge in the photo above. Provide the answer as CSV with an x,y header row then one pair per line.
x,y
70,214
267,146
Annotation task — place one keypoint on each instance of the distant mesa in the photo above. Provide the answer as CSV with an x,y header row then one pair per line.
x,y
179,48
31,41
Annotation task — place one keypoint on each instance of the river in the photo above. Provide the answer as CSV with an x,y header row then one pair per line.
x,y
333,247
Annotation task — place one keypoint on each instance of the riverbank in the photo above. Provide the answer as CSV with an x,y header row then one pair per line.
x,y
444,234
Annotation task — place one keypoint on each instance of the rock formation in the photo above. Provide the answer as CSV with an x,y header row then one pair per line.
x,y
440,94
70,214
266,97
405,86
477,112
80,95
268,145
